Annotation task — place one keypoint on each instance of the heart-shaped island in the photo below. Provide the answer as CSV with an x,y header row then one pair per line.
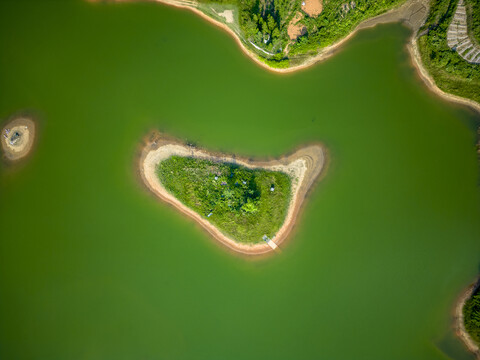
x,y
248,205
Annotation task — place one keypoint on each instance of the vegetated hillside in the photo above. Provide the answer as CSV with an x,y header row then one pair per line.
x,y
451,73
265,24
337,20
243,203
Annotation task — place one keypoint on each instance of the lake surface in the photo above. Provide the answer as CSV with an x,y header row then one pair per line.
x,y
94,267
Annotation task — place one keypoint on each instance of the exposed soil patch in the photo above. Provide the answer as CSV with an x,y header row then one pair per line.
x,y
312,8
294,28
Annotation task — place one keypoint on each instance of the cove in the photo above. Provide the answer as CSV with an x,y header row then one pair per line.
x,y
94,267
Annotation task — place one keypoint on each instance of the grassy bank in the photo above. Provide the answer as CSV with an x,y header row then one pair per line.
x,y
238,201
471,312
451,73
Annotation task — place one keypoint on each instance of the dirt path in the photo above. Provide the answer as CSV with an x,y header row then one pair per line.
x,y
304,166
295,29
313,8
459,320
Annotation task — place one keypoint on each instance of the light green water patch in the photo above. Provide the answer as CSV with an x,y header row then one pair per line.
x,y
93,267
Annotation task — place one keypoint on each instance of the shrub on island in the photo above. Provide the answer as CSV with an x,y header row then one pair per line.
x,y
243,203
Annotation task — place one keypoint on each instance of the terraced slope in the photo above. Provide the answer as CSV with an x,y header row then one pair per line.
x,y
458,38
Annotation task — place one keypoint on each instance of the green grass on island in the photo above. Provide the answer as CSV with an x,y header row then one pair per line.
x,y
237,200
471,313
450,71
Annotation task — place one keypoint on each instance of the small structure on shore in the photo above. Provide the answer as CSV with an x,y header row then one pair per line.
x,y
270,242
15,138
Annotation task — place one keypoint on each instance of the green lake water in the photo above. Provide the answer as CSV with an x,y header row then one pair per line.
x,y
94,267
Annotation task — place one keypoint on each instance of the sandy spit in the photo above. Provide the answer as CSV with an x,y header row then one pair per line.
x,y
459,321
304,165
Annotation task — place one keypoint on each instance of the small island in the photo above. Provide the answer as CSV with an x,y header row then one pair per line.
x,y
18,137
250,206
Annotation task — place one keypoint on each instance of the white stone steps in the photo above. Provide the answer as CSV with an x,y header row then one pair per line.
x,y
457,36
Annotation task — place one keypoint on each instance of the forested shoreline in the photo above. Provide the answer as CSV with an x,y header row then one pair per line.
x,y
264,24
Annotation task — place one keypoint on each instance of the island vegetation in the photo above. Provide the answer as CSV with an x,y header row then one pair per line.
x,y
243,203
248,205
449,70
471,314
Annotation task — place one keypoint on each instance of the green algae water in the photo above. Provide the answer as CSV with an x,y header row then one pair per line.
x,y
94,267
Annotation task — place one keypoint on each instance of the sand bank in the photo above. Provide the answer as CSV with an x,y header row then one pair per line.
x,y
459,320
304,166
17,138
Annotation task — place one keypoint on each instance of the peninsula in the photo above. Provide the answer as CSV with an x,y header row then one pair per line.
x,y
249,206
17,138
287,36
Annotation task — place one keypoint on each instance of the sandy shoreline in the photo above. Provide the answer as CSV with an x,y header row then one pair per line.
x,y
17,137
304,166
459,326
